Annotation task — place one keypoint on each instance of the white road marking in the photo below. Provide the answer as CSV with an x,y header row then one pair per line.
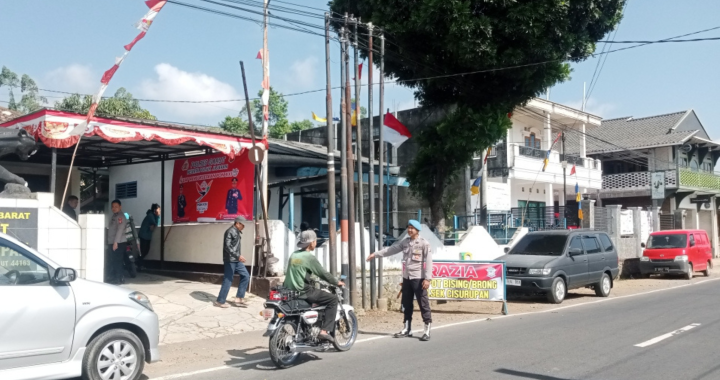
x,y
237,365
668,335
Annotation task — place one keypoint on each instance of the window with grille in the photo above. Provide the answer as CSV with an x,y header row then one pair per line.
x,y
126,190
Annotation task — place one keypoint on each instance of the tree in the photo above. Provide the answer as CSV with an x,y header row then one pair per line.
x,y
31,100
234,125
363,110
515,50
122,104
297,126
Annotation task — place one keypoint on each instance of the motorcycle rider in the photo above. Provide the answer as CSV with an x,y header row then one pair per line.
x,y
417,273
301,265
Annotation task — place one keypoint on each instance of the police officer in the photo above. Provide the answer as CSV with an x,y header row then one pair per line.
x,y
233,196
116,244
417,273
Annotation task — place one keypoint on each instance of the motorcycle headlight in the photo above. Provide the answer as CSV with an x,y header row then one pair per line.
x,y
540,271
681,258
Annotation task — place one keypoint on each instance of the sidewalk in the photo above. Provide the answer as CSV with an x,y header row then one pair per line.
x,y
187,313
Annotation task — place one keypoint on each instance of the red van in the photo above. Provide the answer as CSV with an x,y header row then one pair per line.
x,y
677,252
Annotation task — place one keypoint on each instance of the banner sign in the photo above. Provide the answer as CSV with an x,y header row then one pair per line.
x,y
22,224
468,281
212,188
658,185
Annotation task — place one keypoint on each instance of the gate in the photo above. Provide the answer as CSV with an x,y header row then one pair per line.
x,y
667,222
601,219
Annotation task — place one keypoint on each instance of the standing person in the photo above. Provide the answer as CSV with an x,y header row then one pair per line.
x,y
234,263
116,244
70,206
417,273
151,221
181,203
233,196
301,265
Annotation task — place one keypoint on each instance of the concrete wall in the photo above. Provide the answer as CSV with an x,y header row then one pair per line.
x,y
25,168
148,192
63,240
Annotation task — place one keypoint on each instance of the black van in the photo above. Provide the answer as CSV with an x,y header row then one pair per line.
x,y
553,262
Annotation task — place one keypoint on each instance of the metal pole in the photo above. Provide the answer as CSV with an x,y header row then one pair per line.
x,y
361,201
162,207
371,174
351,173
53,175
564,180
332,204
266,77
381,179
280,205
343,162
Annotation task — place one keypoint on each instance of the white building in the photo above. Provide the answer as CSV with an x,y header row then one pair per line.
x,y
514,170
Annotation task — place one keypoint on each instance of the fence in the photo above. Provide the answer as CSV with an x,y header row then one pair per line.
x,y
667,222
601,219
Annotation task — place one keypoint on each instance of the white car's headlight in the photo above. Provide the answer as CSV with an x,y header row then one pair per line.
x,y
141,299
682,258
540,271
644,258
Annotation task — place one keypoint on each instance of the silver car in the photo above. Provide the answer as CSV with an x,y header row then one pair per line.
x,y
56,326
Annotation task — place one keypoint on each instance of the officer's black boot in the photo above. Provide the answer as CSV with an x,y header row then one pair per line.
x,y
426,333
406,331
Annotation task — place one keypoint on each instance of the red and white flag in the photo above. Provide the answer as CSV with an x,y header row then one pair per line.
x,y
394,131
572,171
143,25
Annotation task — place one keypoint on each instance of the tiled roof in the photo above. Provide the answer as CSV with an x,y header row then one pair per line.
x,y
8,114
630,133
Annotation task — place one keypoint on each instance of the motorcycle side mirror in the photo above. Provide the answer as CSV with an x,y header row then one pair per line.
x,y
343,277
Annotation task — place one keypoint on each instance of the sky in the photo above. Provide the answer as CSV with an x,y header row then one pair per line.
x,y
192,55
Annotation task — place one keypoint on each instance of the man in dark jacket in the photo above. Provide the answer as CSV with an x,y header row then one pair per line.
x,y
234,263
70,206
151,221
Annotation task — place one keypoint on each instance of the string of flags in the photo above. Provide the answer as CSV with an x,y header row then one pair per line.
x,y
547,154
143,25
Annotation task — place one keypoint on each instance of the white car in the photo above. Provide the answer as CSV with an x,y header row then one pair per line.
x,y
56,326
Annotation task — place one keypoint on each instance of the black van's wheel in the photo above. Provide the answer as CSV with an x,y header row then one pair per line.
x,y
706,272
557,291
689,274
116,354
602,288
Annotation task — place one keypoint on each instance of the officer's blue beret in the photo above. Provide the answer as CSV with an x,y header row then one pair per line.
x,y
415,224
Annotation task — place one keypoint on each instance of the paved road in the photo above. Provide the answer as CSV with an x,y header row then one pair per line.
x,y
591,341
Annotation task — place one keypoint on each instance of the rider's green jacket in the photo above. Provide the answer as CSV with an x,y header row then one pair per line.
x,y
301,266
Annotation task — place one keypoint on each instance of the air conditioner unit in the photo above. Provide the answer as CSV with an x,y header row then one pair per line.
x,y
706,205
526,129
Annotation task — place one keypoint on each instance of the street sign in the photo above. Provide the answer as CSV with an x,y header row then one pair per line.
x,y
256,154
701,199
657,184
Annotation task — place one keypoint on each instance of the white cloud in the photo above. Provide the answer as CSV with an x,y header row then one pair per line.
x,y
175,84
73,78
302,73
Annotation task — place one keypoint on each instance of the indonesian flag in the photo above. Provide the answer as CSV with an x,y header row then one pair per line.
x,y
395,132
144,24
572,171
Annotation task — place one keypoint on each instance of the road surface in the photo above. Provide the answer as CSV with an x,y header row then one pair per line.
x,y
667,334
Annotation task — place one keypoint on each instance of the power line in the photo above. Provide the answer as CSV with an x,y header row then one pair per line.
x,y
663,41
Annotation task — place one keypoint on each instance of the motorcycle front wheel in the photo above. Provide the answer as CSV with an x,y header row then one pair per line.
x,y
345,335
280,352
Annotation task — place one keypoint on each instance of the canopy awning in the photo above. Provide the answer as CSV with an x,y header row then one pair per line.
x,y
119,139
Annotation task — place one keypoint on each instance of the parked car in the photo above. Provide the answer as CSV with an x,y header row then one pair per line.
x,y
552,262
56,326
677,252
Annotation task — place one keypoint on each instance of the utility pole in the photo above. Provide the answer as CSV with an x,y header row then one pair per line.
x,y
350,170
371,175
332,204
266,81
343,162
381,144
564,167
358,146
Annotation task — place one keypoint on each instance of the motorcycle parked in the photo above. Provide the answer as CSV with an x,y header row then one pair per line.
x,y
295,324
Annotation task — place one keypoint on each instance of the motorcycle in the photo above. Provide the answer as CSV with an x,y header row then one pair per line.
x,y
295,324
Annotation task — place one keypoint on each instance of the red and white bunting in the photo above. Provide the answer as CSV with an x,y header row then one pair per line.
x,y
395,132
144,24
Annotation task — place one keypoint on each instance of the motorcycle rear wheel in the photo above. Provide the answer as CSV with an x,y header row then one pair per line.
x,y
280,353
345,336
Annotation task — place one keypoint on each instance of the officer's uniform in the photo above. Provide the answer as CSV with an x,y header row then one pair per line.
x,y
417,266
114,258
181,204
231,201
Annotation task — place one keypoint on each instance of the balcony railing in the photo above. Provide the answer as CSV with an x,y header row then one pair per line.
x,y
555,157
699,180
532,152
635,181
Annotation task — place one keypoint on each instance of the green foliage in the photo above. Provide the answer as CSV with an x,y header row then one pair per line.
x,y
436,39
363,110
297,126
234,125
122,104
31,100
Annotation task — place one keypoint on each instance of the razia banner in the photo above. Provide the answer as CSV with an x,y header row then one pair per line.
x,y
468,281
212,188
